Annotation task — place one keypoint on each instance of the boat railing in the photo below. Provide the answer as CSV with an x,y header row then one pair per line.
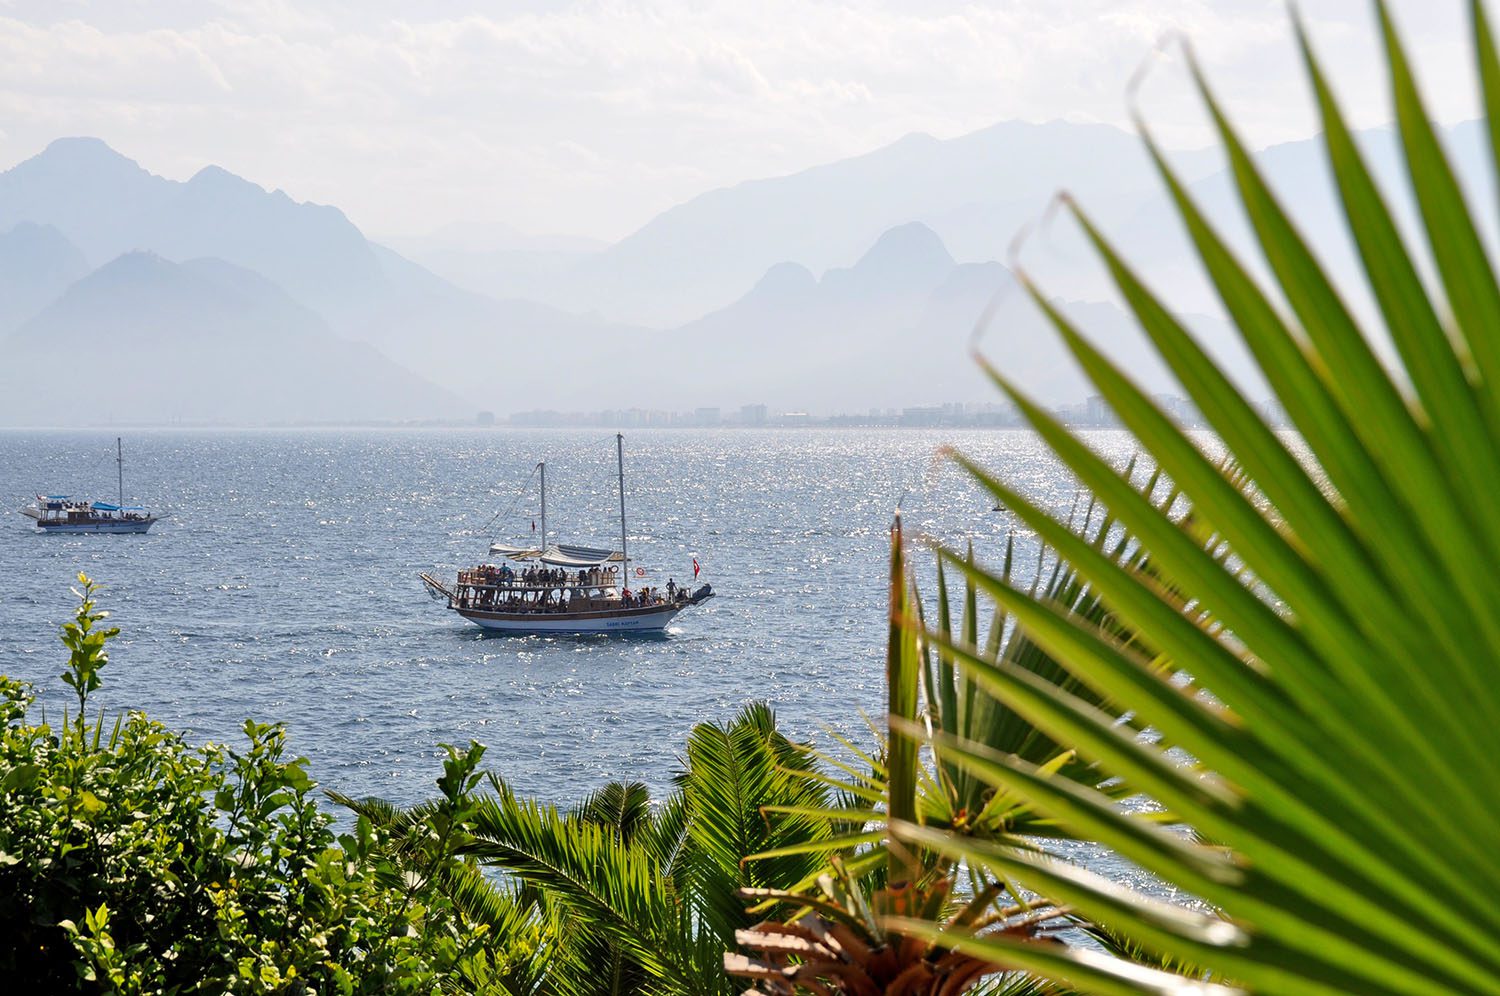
x,y
486,578
515,596
518,589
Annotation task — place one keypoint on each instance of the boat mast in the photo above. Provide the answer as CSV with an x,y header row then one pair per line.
x,y
625,567
543,468
120,468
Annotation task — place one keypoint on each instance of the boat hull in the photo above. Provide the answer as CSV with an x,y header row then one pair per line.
x,y
653,619
95,527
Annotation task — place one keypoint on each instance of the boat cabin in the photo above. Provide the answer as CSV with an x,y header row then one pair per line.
x,y
62,509
559,579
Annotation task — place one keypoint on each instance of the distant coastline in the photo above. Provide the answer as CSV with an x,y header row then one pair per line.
x,y
1089,414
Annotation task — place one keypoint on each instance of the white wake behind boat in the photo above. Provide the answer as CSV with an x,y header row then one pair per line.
x,y
562,588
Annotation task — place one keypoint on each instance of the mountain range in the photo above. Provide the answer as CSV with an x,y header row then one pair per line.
x,y
852,285
975,191
144,339
88,206
37,263
900,321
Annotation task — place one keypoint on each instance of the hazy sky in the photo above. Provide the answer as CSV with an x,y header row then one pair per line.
x,y
588,118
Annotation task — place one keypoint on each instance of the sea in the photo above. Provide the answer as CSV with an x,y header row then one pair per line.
x,y
283,585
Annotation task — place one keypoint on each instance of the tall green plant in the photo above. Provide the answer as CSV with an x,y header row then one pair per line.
x,y
1343,832
834,933
87,643
935,700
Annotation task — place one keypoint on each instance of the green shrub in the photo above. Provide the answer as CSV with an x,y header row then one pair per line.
x,y
134,862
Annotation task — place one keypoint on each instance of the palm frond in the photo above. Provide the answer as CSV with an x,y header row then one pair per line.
x,y
1342,617
623,808
744,794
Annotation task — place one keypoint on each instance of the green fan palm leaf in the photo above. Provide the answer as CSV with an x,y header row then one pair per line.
x,y
1346,763
939,701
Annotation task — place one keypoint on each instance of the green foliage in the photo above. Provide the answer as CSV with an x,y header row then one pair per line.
x,y
1341,802
745,793
621,896
894,905
134,862
947,703
85,640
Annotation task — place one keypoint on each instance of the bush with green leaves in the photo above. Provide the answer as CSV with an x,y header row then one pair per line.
x,y
132,861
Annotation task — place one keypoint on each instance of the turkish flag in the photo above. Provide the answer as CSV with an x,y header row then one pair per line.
x,y
695,568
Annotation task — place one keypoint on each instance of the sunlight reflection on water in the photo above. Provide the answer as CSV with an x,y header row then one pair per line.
x,y
284,586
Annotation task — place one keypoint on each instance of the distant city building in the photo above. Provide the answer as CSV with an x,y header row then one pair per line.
x,y
1099,412
1178,409
1092,412
485,418
922,415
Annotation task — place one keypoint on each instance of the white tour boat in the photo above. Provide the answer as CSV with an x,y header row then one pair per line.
x,y
562,588
65,514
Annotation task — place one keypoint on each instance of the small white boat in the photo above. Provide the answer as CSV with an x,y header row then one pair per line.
x,y
561,588
65,514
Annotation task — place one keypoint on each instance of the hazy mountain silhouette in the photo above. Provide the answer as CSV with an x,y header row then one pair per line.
x,y
312,251
850,285
898,324
144,339
37,263
501,354
87,191
975,191
107,205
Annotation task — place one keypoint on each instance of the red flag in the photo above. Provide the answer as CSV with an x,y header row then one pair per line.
x,y
695,568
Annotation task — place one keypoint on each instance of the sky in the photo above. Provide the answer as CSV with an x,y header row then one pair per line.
x,y
588,118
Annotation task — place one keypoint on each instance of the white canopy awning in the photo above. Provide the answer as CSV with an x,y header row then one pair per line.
x,y
560,554
515,552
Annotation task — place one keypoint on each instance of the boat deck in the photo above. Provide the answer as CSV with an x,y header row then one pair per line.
x,y
568,605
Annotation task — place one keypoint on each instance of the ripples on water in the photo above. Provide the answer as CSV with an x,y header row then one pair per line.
x,y
284,585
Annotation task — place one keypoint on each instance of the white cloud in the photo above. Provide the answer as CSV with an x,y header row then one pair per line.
x,y
591,117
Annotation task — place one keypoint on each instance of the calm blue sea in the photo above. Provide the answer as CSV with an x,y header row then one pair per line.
x,y
284,585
